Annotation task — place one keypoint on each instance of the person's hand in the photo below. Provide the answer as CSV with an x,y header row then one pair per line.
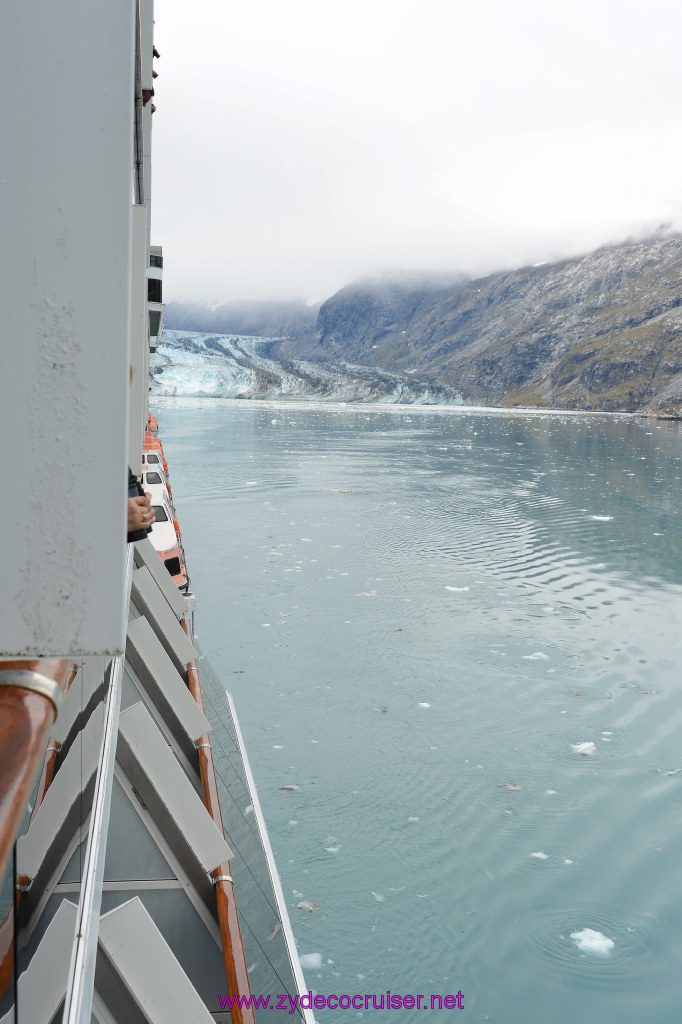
x,y
140,513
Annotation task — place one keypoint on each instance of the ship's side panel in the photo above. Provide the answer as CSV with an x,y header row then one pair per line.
x,y
65,207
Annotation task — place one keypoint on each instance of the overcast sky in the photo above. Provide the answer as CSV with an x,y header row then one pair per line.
x,y
300,144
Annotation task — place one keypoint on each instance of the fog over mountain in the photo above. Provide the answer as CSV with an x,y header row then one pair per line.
x,y
599,332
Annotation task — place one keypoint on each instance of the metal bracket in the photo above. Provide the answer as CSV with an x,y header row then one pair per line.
x,y
34,681
221,878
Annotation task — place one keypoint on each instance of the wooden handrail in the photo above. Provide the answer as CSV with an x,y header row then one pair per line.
x,y
233,948
26,718
7,923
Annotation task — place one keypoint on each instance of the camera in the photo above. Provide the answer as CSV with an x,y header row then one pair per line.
x,y
135,491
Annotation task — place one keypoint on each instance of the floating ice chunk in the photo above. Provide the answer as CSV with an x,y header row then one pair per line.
x,y
538,656
423,704
251,483
584,748
295,892
590,941
310,960
459,590
293,821
367,593
309,905
566,861
332,849
540,855
290,789
378,897
276,746
550,792
605,732
601,519
413,819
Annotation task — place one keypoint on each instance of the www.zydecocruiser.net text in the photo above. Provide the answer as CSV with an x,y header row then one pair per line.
x,y
385,1001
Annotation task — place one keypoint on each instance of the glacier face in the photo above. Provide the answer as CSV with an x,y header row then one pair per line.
x,y
192,365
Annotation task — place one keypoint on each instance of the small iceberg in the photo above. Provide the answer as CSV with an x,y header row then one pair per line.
x,y
590,941
540,855
310,960
602,519
310,905
423,704
584,748
378,897
538,656
457,590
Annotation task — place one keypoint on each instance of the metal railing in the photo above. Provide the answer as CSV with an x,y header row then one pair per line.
x,y
81,978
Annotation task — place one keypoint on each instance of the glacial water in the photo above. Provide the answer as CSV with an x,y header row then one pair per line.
x,y
456,636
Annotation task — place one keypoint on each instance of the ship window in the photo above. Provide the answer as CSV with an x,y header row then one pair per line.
x,y
154,323
154,478
160,514
173,566
154,289
155,261
152,459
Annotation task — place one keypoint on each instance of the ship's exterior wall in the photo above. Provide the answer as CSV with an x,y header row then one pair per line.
x,y
65,206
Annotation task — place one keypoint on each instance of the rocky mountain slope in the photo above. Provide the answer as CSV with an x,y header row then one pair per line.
x,y
598,332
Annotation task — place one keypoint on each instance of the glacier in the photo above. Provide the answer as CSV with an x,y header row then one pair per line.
x,y
188,364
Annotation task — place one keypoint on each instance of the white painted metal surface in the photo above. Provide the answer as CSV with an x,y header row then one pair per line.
x,y
162,680
65,210
139,342
89,678
140,739
146,555
81,976
152,974
42,984
152,604
79,767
